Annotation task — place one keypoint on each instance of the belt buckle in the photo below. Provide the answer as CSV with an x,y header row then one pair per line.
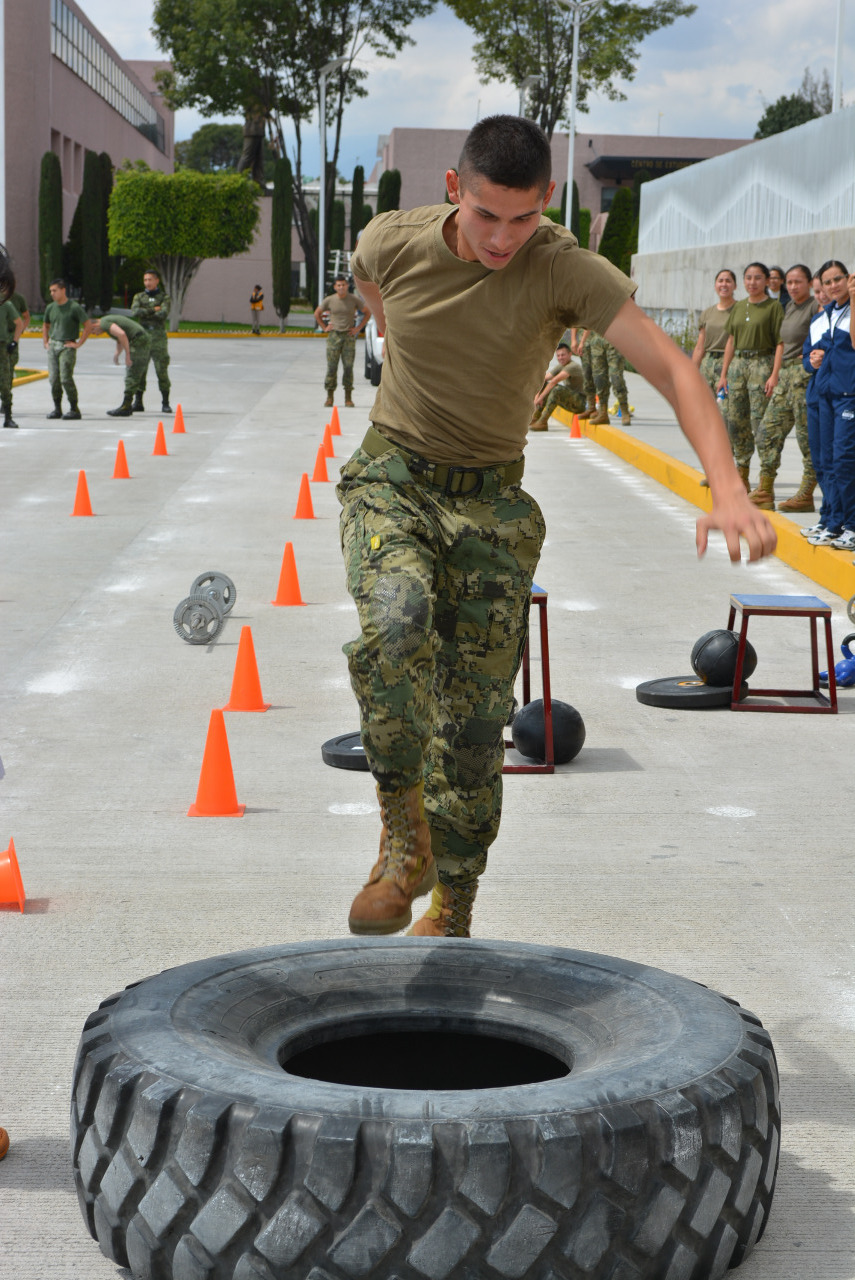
x,y
451,490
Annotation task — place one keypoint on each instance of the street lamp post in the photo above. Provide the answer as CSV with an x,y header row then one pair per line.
x,y
838,59
581,9
325,70
528,83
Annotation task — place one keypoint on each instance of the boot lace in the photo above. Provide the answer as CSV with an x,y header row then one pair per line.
x,y
399,858
457,909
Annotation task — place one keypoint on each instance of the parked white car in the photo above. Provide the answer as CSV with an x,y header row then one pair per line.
x,y
374,343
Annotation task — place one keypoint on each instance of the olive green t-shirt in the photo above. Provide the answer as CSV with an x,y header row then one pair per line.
x,y
712,322
755,326
65,320
9,317
343,310
129,326
466,345
19,302
795,326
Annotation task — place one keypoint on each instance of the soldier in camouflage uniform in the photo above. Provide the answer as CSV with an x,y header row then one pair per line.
x,y
579,347
133,342
11,328
607,366
342,331
751,363
563,387
150,308
440,541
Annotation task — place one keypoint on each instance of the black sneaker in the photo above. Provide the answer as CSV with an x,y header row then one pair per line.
x,y
73,415
57,413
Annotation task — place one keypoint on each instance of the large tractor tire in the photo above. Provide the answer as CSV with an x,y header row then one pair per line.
x,y
411,1108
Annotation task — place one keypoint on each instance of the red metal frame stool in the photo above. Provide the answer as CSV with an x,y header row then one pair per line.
x,y
785,607
538,597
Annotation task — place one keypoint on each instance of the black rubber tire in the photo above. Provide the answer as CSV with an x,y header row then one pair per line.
x,y
198,1157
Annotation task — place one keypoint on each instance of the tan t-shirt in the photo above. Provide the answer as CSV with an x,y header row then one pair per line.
x,y
795,326
343,310
712,322
466,345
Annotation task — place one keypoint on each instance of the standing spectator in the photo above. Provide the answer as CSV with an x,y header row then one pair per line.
x,y
607,366
787,406
816,342
256,306
11,328
712,339
342,330
133,342
777,288
62,337
150,308
19,302
820,297
835,381
579,347
562,386
751,364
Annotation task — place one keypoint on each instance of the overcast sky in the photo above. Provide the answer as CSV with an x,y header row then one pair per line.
x,y
705,76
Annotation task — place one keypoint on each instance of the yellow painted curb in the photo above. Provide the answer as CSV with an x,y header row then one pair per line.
x,y
831,569
31,377
246,334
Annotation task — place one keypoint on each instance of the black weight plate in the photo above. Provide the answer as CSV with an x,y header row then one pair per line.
x,y
685,693
345,752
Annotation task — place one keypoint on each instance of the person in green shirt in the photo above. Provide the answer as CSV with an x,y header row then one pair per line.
x,y
11,328
65,329
150,308
19,302
133,342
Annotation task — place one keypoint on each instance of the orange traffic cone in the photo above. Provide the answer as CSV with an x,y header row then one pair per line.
x,y
288,591
216,796
11,884
320,472
246,687
327,446
335,425
120,471
159,450
82,505
305,510
575,430
178,424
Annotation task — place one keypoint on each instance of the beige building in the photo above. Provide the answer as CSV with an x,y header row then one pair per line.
x,y
69,91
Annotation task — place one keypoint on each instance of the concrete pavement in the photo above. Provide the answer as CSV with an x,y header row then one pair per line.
x,y
711,844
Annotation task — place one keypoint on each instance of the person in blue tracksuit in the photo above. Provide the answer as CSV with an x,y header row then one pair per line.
x,y
834,359
816,341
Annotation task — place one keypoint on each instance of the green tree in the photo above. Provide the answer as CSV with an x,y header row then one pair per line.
x,y
337,215
520,38
389,190
178,220
616,236
105,301
367,214
280,238
50,221
211,149
72,249
574,211
357,203
264,57
584,227
786,113
91,205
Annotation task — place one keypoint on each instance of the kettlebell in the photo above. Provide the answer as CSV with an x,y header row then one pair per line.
x,y
844,672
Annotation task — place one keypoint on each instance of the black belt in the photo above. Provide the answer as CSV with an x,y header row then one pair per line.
x,y
463,482
768,352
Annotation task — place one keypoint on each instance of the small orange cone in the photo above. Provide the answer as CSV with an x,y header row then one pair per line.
x,y
216,796
159,450
288,591
11,884
120,471
178,424
327,446
335,425
246,692
82,505
320,472
575,430
305,510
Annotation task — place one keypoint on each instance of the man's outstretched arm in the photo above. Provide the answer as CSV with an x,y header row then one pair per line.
x,y
660,361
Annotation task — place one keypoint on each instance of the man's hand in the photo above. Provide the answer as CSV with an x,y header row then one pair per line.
x,y
737,518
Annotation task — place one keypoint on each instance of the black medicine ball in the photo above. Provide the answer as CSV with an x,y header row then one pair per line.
x,y
714,657
568,731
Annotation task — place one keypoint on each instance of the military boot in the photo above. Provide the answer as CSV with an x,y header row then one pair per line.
x,y
138,406
7,419
166,407
590,407
57,410
625,415
348,400
743,475
449,914
600,418
405,868
328,403
73,414
802,500
124,410
764,495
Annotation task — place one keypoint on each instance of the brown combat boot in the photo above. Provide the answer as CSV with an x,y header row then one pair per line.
x,y
802,500
590,407
404,870
449,914
625,415
539,424
743,475
348,401
764,495
600,418
328,403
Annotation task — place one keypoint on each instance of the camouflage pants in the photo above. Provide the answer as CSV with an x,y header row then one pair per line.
x,y
711,372
607,366
442,584
787,408
587,375
140,349
7,371
746,403
343,346
61,362
563,395
159,355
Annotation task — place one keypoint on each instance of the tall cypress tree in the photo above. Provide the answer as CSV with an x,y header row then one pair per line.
x,y
357,198
280,237
337,225
50,221
574,212
91,205
389,191
618,227
105,301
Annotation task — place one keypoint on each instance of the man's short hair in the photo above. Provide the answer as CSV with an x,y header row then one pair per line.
x,y
152,271
565,345
7,275
340,277
58,280
509,151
